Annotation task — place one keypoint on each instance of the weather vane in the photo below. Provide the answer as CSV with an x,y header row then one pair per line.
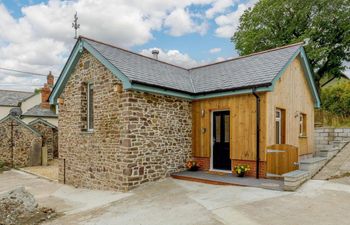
x,y
75,25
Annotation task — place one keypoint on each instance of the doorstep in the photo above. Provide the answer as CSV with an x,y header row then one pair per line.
x,y
228,179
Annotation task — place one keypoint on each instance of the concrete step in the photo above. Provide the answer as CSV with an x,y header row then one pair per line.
x,y
339,144
312,165
328,154
294,179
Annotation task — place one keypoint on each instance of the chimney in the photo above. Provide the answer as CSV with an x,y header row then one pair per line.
x,y
155,53
46,91
45,94
50,79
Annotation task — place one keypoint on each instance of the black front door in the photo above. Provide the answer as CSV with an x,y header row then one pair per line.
x,y
221,140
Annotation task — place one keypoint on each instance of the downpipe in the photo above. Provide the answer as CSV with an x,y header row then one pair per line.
x,y
257,97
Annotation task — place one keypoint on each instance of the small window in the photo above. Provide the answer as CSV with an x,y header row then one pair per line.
x,y
90,107
302,125
280,126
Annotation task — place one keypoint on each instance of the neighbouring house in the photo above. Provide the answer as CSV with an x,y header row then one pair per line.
x,y
126,119
23,116
29,105
49,134
20,144
12,99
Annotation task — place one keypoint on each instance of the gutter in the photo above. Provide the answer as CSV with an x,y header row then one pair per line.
x,y
257,132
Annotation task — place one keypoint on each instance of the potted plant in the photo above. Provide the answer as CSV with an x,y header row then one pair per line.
x,y
192,165
241,170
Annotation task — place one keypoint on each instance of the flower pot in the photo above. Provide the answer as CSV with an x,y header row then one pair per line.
x,y
241,174
194,168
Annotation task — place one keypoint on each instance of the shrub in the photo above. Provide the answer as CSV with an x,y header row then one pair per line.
x,y
336,99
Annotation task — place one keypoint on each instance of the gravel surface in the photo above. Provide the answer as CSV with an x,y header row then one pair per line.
x,y
50,172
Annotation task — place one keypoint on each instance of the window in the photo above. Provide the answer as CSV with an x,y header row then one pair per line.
x,y
280,126
302,125
90,107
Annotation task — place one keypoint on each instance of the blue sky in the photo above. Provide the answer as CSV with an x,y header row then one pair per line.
x,y
37,36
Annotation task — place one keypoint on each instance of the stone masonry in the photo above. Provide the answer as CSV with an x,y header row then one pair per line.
x,y
49,135
324,135
137,137
26,144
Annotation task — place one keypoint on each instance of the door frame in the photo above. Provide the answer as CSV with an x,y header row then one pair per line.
x,y
212,141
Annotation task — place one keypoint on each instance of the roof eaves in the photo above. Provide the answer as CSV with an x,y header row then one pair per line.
x,y
39,120
22,123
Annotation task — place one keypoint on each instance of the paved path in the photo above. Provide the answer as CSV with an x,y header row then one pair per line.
x,y
177,202
337,167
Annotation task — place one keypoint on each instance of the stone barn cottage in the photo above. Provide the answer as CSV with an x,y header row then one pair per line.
x,y
126,119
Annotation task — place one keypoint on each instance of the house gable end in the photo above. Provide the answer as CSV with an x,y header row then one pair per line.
x,y
72,62
308,75
21,123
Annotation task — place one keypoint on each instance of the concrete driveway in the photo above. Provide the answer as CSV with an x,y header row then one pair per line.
x,y
172,201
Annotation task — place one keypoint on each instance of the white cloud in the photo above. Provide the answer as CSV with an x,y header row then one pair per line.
x,y
173,56
220,6
180,22
215,50
42,38
228,24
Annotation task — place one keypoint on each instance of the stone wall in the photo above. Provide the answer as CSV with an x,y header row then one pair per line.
x,y
49,138
137,137
26,144
324,135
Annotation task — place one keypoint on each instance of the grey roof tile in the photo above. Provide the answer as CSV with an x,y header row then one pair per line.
x,y
13,98
241,72
37,111
144,69
256,69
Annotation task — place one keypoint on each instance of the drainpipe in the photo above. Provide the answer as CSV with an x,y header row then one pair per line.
x,y
257,132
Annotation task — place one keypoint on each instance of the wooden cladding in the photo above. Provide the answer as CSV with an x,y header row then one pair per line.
x,y
281,159
242,125
292,94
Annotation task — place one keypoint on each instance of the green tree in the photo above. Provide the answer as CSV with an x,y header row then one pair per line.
x,y
274,23
336,99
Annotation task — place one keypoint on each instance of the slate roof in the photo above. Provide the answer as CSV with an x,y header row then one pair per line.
x,y
13,98
253,70
37,111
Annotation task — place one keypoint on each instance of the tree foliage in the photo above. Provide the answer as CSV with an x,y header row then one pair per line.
x,y
274,23
336,99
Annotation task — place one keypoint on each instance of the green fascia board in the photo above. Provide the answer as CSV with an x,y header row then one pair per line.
x,y
307,69
73,60
229,93
68,68
121,76
161,91
157,90
127,85
310,78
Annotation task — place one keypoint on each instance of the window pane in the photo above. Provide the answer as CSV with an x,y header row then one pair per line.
x,y
278,114
217,128
227,128
90,106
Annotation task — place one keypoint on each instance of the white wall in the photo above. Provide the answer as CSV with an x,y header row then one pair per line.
x,y
4,111
30,102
